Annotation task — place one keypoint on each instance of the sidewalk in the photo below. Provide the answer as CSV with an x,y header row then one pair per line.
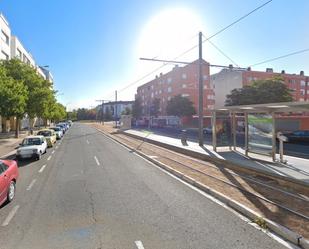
x,y
8,143
297,168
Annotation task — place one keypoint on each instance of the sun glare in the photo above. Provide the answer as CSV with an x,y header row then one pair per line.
x,y
169,33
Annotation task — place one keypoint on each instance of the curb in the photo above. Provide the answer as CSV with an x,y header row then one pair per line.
x,y
225,163
284,232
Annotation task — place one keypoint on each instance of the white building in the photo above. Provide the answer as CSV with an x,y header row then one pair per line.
x,y
18,51
5,40
120,106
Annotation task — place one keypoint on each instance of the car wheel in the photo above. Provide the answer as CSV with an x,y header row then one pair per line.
x,y
11,191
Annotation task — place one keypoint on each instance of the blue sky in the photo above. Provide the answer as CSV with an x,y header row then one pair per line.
x,y
93,47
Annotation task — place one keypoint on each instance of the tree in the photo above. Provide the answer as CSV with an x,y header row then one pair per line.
x,y
13,98
137,108
58,112
180,106
40,93
126,111
107,115
155,106
272,90
72,115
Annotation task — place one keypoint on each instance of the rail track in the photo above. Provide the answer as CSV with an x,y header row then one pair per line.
x,y
301,198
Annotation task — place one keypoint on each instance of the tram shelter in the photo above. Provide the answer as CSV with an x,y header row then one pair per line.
x,y
257,123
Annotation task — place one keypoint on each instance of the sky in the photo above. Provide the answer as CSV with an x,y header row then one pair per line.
x,y
93,47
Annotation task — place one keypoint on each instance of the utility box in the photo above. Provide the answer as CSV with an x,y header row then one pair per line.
x,y
125,122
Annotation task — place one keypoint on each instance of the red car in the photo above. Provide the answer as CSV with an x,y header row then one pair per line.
x,y
8,176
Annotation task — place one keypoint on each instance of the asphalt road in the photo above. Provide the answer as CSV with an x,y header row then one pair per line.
x,y
93,193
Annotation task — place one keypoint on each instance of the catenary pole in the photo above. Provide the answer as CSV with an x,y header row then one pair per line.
x,y
200,94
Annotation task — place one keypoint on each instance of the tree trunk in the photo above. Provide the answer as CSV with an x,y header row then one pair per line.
x,y
17,128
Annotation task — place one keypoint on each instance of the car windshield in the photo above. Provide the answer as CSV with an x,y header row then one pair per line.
x,y
56,128
31,141
45,133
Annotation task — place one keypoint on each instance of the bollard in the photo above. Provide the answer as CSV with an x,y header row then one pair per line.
x,y
184,137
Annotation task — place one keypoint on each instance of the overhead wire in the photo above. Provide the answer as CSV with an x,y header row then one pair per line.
x,y
280,57
190,49
224,54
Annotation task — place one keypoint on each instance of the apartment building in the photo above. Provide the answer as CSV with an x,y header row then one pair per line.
x,y
179,81
229,78
5,41
116,108
11,47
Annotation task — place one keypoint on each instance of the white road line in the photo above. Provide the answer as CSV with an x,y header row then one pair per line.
x,y
10,216
49,158
87,141
56,147
42,168
31,184
139,244
53,152
96,160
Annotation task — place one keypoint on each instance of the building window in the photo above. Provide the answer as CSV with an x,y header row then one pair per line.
x,y
169,80
249,79
184,76
152,95
19,54
292,81
169,98
5,38
6,56
302,83
205,77
185,95
152,87
184,85
205,87
302,92
169,89
160,91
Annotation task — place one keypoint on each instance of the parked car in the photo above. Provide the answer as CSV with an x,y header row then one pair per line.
x,y
62,127
207,130
50,136
8,177
58,131
297,136
32,147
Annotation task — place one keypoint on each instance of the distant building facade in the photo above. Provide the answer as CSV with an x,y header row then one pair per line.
x,y
179,81
228,79
116,108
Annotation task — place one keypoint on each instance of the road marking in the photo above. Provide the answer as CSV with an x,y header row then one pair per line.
x,y
53,152
56,147
139,244
31,184
87,141
49,158
42,168
96,160
10,216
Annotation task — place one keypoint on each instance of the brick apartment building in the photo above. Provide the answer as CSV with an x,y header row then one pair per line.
x,y
229,79
179,81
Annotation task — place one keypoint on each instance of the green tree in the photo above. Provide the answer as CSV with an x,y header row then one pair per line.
x,y
180,106
58,112
39,90
13,98
272,90
137,108
126,111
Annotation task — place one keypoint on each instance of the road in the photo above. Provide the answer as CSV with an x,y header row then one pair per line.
x,y
94,193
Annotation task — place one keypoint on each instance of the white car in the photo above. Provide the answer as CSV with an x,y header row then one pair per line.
x,y
32,147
